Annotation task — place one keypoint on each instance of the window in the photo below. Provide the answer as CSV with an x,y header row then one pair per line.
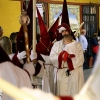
x,y
74,14
90,19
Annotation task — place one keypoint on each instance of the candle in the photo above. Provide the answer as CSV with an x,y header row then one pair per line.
x,y
34,25
14,92
79,28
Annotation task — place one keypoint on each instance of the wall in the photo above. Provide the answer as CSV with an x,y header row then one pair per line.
x,y
99,17
9,16
79,1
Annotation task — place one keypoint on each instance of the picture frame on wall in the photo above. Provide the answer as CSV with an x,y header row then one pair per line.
x,y
73,11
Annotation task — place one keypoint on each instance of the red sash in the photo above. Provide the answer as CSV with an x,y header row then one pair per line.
x,y
64,56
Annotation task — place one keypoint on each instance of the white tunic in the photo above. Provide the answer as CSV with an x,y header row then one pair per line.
x,y
65,85
91,89
41,80
15,76
50,72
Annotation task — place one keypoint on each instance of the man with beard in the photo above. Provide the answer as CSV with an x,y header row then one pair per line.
x,y
57,48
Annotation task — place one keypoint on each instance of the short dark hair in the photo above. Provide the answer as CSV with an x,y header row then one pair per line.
x,y
94,35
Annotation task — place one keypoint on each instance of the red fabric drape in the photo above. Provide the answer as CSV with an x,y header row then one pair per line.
x,y
44,46
64,56
65,16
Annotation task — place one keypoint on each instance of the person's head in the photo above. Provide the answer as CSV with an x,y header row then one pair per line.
x,y
1,31
13,37
95,35
5,43
83,32
64,29
67,39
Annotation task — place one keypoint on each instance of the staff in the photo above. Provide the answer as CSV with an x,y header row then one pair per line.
x,y
79,28
24,20
34,25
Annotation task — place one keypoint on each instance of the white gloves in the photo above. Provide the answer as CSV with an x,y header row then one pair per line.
x,y
21,55
33,55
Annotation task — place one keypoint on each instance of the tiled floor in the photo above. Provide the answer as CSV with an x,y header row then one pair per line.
x,y
87,73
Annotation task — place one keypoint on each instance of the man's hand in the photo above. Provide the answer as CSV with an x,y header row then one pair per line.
x,y
33,55
21,55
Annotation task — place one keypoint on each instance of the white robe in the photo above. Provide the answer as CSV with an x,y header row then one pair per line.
x,y
41,80
91,89
50,72
15,76
68,85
